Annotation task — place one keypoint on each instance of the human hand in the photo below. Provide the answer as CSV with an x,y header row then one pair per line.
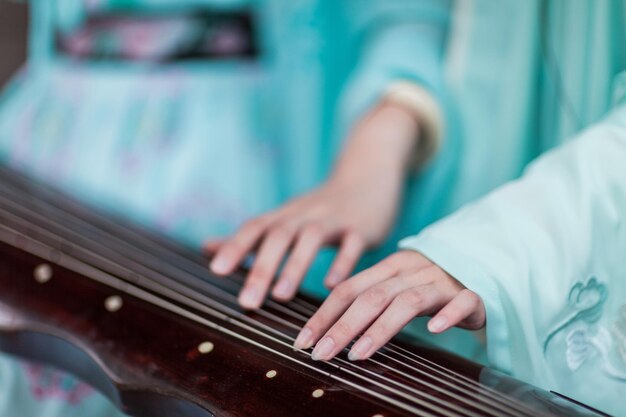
x,y
353,210
383,299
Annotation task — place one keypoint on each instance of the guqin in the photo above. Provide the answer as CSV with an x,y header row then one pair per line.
x,y
140,318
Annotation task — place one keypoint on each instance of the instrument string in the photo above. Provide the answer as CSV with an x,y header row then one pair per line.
x,y
233,300
305,308
79,219
101,263
73,241
447,373
405,365
43,251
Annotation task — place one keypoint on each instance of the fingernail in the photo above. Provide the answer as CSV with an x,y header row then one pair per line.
x,y
283,289
333,279
324,349
304,339
437,324
249,298
360,348
219,265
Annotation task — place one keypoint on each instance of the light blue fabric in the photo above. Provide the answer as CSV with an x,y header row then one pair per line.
x,y
546,252
521,78
546,255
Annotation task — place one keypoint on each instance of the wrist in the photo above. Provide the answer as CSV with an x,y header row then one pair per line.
x,y
424,107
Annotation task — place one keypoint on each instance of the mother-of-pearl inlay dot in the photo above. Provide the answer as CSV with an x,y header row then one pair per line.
x,y
317,393
113,303
42,273
205,347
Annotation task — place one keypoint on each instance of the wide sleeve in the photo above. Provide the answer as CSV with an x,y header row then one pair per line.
x,y
547,254
400,58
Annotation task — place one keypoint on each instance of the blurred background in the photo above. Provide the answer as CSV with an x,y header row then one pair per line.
x,y
13,28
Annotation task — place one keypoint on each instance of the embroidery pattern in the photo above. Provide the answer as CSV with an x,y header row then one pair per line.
x,y
587,340
581,343
586,303
577,348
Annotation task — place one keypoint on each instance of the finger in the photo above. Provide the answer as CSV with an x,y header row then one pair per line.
x,y
299,261
365,309
234,250
466,309
404,308
338,302
350,251
212,246
265,266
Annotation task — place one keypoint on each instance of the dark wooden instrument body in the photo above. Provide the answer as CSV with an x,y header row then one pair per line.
x,y
147,361
141,355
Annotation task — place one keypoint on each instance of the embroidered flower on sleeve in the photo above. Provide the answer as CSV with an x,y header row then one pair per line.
x,y
587,340
582,344
577,348
585,303
589,298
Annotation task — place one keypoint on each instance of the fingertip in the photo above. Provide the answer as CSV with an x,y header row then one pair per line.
x,y
250,299
332,280
305,339
437,324
361,349
284,290
324,350
220,266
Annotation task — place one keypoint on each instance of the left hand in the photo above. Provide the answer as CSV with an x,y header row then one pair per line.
x,y
353,210
381,300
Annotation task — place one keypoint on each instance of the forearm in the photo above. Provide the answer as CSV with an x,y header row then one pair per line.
x,y
382,144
